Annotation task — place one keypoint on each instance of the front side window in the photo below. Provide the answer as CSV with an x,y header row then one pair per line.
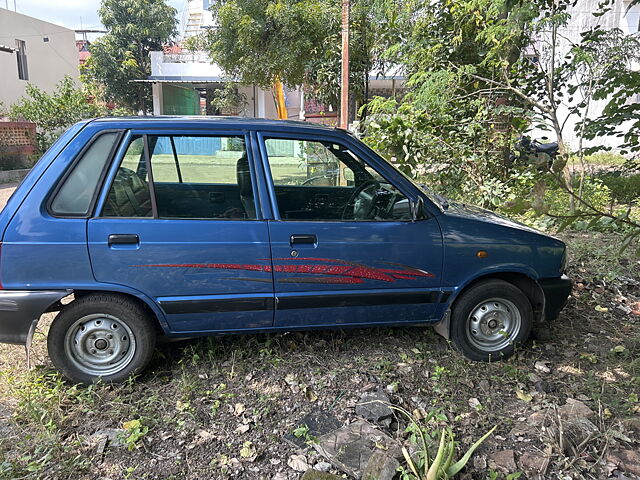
x,y
76,193
204,177
318,180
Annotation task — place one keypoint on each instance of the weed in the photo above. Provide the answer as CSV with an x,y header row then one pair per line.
x,y
134,430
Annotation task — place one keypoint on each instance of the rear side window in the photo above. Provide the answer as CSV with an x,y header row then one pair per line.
x,y
76,193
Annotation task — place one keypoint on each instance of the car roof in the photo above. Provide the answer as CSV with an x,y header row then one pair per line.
x,y
218,121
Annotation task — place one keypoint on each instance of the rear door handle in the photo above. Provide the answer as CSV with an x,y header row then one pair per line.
x,y
303,239
123,239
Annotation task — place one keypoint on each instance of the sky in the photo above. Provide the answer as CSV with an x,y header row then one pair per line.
x,y
74,14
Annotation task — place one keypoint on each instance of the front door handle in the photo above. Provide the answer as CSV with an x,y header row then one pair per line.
x,y
303,239
123,239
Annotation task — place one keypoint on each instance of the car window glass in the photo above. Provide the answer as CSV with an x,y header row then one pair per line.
x,y
129,195
75,195
318,180
202,177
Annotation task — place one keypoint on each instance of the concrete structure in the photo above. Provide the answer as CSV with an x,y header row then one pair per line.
x,y
182,83
35,52
618,16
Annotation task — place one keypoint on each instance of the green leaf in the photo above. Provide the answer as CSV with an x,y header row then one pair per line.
x,y
460,464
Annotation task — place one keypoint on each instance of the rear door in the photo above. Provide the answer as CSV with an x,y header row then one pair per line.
x,y
179,221
345,249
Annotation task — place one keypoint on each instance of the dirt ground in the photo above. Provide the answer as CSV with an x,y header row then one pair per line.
x,y
566,406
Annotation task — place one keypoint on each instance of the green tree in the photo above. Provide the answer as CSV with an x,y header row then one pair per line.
x,y
54,112
135,28
295,41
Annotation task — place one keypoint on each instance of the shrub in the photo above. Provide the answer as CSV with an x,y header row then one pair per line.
x,y
624,188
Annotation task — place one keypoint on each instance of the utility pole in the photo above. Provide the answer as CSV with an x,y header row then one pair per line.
x,y
344,94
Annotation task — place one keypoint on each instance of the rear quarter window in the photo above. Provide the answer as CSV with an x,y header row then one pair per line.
x,y
75,195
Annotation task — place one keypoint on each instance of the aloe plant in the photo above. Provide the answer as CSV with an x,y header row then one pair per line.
x,y
442,467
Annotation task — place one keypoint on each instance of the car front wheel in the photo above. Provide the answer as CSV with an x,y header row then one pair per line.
x,y
490,320
101,336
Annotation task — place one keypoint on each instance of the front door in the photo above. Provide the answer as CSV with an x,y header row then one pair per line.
x,y
345,249
179,223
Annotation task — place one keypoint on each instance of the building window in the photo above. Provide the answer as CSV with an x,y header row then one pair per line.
x,y
23,71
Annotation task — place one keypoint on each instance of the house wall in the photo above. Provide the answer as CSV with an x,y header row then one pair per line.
x,y
47,61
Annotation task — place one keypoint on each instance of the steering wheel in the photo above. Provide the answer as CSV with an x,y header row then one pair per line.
x,y
363,200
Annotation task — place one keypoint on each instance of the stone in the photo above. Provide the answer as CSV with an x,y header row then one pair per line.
x,y
374,406
322,466
533,462
112,436
575,408
319,423
479,462
351,447
380,467
544,387
627,460
316,475
504,461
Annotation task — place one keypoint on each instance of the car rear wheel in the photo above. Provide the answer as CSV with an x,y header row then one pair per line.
x,y
101,336
490,320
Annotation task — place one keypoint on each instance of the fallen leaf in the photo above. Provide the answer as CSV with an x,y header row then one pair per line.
x,y
475,403
601,309
310,394
298,463
524,396
243,428
541,366
239,409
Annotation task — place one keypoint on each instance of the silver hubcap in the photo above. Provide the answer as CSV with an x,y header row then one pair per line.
x,y
100,344
493,324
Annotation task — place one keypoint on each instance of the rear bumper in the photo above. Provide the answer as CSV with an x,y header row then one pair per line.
x,y
20,311
556,293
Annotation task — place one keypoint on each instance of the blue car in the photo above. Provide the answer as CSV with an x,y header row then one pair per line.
x,y
181,227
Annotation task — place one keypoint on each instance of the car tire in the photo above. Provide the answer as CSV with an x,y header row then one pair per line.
x,y
490,319
106,337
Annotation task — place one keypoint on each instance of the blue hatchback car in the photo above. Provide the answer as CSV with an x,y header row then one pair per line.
x,y
182,227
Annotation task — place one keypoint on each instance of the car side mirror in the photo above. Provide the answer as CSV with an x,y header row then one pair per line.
x,y
417,209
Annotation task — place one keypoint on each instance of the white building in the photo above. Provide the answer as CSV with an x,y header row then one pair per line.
x,y
33,51
618,16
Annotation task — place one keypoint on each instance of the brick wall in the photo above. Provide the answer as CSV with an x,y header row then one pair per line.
x,y
17,144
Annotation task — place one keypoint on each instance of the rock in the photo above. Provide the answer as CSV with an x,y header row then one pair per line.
x,y
575,432
374,406
627,460
544,387
350,448
298,463
380,467
480,462
319,423
503,461
533,462
322,466
573,409
112,436
540,417
316,475
485,386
